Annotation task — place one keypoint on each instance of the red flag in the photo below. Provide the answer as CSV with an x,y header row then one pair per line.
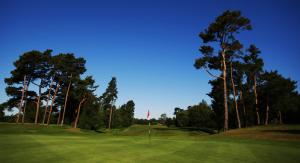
x,y
148,115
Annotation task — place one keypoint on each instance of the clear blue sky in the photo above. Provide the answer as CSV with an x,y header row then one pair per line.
x,y
150,46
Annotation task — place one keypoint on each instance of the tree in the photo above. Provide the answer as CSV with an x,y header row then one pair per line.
x,y
47,101
78,111
222,32
201,116
63,67
42,68
163,118
31,65
254,66
278,93
126,114
107,100
73,67
239,76
53,101
181,119
84,90
234,96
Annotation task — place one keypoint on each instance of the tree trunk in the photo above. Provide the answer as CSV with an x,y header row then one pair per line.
x,y
225,92
234,98
244,107
38,103
25,102
48,98
59,114
65,106
267,115
280,118
110,114
21,102
256,101
78,112
53,100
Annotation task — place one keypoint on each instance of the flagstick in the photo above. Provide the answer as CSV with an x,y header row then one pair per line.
x,y
149,127
149,133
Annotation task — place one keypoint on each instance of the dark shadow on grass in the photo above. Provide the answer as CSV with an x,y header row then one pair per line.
x,y
284,131
101,132
189,129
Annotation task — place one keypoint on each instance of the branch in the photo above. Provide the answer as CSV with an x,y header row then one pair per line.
x,y
35,83
213,74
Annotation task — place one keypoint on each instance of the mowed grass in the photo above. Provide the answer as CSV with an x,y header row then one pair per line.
x,y
30,143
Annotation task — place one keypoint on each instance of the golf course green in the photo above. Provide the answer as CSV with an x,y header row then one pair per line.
x,y
30,143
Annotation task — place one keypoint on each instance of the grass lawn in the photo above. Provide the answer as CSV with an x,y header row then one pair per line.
x,y
29,143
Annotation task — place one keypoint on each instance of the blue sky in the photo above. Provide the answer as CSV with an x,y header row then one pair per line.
x,y
150,46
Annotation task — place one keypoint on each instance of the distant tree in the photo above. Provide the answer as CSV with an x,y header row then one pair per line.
x,y
126,114
223,33
107,101
201,115
182,119
163,118
170,122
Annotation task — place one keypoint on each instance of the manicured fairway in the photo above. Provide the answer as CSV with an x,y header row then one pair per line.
x,y
27,143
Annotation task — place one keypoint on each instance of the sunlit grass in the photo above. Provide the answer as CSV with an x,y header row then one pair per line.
x,y
28,143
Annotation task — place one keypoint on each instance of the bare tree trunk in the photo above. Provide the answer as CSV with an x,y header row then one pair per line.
x,y
53,100
225,92
244,108
21,102
234,98
78,112
267,115
66,100
48,97
38,103
256,102
280,119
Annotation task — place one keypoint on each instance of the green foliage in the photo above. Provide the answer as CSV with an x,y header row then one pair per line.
x,y
279,93
108,98
199,116
222,31
170,122
182,118
163,118
90,117
126,112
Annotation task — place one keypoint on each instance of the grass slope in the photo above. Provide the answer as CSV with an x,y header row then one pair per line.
x,y
28,143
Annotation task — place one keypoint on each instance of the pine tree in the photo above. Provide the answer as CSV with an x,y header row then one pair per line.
x,y
222,32
107,100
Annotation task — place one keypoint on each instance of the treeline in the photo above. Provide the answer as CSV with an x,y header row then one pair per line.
x,y
244,94
49,89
